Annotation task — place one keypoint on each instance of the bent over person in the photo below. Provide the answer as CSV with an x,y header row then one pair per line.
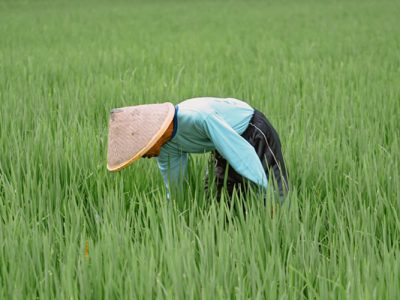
x,y
246,148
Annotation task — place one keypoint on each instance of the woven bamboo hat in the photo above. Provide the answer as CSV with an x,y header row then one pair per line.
x,y
133,130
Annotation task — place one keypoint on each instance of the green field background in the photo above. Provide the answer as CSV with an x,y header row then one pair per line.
x,y
327,75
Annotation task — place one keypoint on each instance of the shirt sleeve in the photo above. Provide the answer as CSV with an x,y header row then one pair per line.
x,y
235,149
173,170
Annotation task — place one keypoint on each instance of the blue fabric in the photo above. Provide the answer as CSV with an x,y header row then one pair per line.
x,y
205,124
175,122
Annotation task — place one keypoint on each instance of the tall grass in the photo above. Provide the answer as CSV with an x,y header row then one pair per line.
x,y
325,73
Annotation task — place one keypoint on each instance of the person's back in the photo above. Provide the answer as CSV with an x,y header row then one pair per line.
x,y
190,132
223,107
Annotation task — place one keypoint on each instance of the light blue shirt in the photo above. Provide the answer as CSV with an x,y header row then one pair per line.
x,y
205,124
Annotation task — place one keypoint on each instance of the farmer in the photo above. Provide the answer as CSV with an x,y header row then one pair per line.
x,y
246,148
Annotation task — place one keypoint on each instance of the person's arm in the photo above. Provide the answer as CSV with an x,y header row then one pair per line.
x,y
173,170
235,149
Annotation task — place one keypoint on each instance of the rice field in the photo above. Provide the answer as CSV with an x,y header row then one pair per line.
x,y
327,75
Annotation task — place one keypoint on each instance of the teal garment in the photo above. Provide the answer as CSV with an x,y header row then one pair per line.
x,y
206,124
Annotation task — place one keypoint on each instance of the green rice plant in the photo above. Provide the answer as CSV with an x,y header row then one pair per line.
x,y
325,73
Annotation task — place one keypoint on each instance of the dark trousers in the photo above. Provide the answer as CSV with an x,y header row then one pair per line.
x,y
265,140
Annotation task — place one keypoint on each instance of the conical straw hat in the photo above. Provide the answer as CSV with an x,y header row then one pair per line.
x,y
133,130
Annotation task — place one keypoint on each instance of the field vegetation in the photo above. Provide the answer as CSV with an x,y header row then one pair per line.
x,y
327,75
